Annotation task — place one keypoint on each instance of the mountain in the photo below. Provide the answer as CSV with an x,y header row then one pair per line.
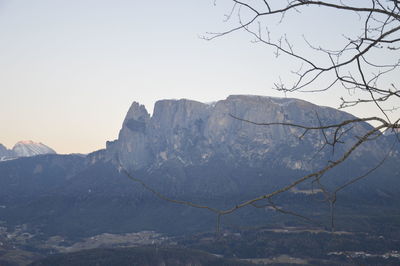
x,y
192,133
24,148
192,151
197,148
29,148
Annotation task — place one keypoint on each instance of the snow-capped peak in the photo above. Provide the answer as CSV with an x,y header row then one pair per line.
x,y
27,148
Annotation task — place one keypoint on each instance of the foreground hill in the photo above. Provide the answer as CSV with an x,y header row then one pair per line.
x,y
142,256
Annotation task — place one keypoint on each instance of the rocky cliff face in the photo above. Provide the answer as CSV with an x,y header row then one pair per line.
x,y
192,133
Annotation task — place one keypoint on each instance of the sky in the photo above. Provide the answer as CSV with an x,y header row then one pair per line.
x,y
69,70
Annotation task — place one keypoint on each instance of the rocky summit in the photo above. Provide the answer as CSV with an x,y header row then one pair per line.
x,y
188,132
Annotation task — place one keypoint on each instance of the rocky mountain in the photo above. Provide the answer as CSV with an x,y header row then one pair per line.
x,y
185,138
193,133
196,152
25,148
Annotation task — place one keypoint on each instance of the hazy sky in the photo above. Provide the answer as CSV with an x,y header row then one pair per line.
x,y
69,70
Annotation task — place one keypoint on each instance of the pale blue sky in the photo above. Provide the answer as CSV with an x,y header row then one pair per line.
x,y
69,70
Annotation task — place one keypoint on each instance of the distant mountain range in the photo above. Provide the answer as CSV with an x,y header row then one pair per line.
x,y
188,150
24,148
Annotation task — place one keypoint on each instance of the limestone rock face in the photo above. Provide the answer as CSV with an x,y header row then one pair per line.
x,y
132,145
192,133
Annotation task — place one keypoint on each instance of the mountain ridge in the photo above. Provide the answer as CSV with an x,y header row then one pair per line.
x,y
195,152
24,148
191,132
